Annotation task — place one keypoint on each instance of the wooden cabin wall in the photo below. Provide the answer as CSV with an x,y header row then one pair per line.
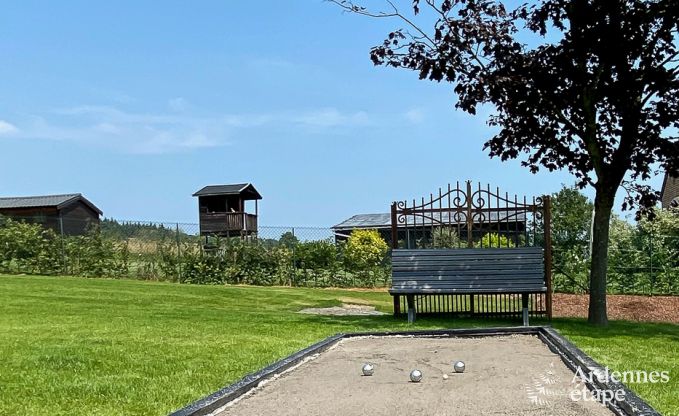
x,y
78,218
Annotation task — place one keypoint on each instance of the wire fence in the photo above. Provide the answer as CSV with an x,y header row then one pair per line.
x,y
645,264
173,251
642,263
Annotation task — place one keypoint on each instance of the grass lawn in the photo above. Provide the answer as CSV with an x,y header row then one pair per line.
x,y
112,347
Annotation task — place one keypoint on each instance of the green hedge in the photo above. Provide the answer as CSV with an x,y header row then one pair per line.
x,y
31,249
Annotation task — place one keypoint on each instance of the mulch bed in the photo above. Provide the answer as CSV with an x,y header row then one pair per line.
x,y
627,307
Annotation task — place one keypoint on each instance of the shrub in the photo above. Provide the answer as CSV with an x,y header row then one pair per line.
x,y
365,255
28,248
92,255
445,237
490,240
316,260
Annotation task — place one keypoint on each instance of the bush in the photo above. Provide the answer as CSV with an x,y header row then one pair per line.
x,y
92,255
28,248
446,237
366,256
494,240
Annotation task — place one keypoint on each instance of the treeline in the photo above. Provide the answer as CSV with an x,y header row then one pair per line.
x,y
643,255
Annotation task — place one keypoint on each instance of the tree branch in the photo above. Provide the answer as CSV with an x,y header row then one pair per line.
x,y
352,8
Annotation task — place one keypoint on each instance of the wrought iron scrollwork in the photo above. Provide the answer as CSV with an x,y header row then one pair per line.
x,y
471,211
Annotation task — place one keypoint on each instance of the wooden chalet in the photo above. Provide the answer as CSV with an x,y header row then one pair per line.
x,y
68,214
222,211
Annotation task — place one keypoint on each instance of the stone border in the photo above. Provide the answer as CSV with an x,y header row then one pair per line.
x,y
571,355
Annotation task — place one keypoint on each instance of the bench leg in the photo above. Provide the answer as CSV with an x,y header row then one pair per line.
x,y
411,308
397,305
524,305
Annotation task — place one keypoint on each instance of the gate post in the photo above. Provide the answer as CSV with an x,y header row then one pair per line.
x,y
394,229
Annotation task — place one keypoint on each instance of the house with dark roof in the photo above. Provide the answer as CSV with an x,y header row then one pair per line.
x,y
414,228
67,214
669,194
222,210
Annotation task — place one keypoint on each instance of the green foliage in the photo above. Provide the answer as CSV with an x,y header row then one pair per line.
x,y
494,240
365,255
116,230
92,255
445,237
365,249
571,218
28,248
288,240
571,222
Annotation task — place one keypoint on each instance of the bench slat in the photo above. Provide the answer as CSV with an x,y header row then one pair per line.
x,y
467,272
457,279
468,291
468,260
488,281
507,256
473,251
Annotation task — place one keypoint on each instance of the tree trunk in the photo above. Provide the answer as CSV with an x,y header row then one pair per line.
x,y
603,205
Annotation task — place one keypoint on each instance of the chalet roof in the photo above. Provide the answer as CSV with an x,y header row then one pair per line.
x,y
246,190
384,220
56,201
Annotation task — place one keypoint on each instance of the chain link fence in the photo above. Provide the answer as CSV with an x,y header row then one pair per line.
x,y
643,264
172,251
639,263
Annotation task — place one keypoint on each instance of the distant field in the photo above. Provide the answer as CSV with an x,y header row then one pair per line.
x,y
112,347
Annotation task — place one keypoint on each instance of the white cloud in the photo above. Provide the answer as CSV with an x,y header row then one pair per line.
x,y
331,117
414,115
141,132
7,128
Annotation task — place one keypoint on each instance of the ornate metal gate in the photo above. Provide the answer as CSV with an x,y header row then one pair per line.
x,y
475,216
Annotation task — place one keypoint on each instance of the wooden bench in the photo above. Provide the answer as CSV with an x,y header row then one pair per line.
x,y
468,271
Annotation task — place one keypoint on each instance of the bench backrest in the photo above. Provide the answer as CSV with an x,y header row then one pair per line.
x,y
482,270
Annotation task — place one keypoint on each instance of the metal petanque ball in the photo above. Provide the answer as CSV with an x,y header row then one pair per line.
x,y
459,367
415,376
368,369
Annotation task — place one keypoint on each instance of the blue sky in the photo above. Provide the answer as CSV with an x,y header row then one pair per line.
x,y
138,106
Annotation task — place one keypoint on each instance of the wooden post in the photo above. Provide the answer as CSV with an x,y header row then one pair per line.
x,y
547,216
394,226
524,308
397,304
411,308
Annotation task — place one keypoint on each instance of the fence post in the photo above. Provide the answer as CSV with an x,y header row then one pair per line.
x,y
179,254
294,263
63,248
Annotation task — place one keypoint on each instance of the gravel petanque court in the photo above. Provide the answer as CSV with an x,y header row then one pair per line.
x,y
505,375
